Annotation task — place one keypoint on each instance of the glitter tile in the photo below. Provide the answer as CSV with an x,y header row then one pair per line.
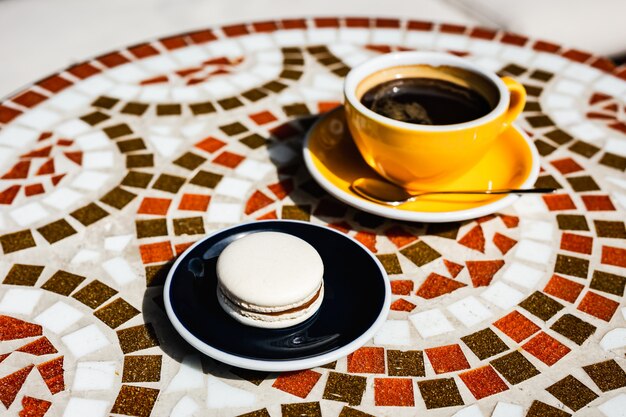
x,y
34,407
453,268
557,202
436,285
116,313
613,256
572,222
258,413
12,328
89,214
298,383
503,243
135,401
483,382
485,343
474,239
52,374
541,305
296,213
514,367
584,183
607,375
598,306
399,236
137,179
310,409
257,201
573,328
142,368
409,363
609,283
157,206
401,286
546,348
206,179
612,229
566,166
233,129
11,385
345,388
369,360
114,132
448,358
169,183
21,274
396,392
571,392
598,203
210,144
402,305
156,252
39,347
539,409
353,412
563,288
188,226
118,198
55,231
420,253
482,272
194,202
576,243
94,294
392,266
570,265
151,228
439,393
137,338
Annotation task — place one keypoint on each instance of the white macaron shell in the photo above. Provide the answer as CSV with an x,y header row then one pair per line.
x,y
270,270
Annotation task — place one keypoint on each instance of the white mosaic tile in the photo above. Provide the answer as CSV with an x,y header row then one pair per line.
x,y
358,36
354,59
58,317
222,395
117,243
266,71
225,47
610,85
244,80
617,181
193,129
558,101
471,411
616,146
2,222
449,42
587,131
431,323
125,92
80,407
39,118
155,93
185,407
85,341
189,375
224,212
95,376
623,310
69,101
90,180
501,295
219,88
190,55
128,73
18,137
85,255
614,339
550,62
530,205
386,37
483,47
165,145
72,128
523,275
321,36
581,72
489,64
62,198
93,140
119,269
99,159
394,332
531,251
620,198
517,54
6,155
256,42
28,214
186,94
289,37
20,301
573,88
507,410
615,407
566,117
254,170
160,64
233,187
270,57
327,82
469,311
342,49
95,86
419,39
536,229
313,94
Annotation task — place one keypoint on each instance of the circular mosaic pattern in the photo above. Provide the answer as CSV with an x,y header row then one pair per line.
x,y
112,167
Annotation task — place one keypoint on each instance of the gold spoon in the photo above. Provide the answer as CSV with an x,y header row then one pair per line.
x,y
384,192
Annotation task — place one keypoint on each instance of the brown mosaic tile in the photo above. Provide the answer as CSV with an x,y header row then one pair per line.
x,y
140,161
206,179
341,71
420,253
230,103
539,409
274,86
514,367
390,263
189,226
254,94
118,198
447,230
168,109
258,413
311,409
13,242
345,388
63,282
541,305
297,109
202,108
584,149
409,363
117,131
131,145
253,141
609,283
89,214
534,91
296,212
21,274
438,393
169,183
571,392
485,343
254,377
612,229
233,129
137,338
137,179
142,368
584,183
571,265
95,118
541,75
290,74
190,160
573,328
135,108
613,161
293,61
156,274
513,69
547,181
104,102
55,231
116,313
558,136
539,121
607,375
572,222
94,294
135,401
352,412
544,148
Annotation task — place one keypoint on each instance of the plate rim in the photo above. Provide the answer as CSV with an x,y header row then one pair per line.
x,y
277,365
416,216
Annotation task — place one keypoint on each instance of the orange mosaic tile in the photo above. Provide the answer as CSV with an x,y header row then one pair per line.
x,y
18,171
156,252
399,236
39,347
194,202
33,189
210,144
8,113
52,374
181,247
566,166
12,328
282,188
268,216
398,392
402,305
482,272
368,239
448,358
46,168
546,348
11,384
402,286
613,256
298,383
516,326
474,239
558,202
29,99
257,201
509,221
576,243
483,382
453,268
229,159
263,117
436,285
598,306
326,106
367,360
598,203
151,205
563,288
503,243
34,407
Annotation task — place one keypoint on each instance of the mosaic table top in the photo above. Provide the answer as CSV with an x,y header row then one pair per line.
x,y
112,167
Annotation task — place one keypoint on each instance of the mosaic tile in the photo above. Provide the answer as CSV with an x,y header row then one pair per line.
x,y
607,375
116,313
611,229
94,294
135,401
169,183
573,328
137,179
34,407
206,179
11,385
39,347
547,181
254,377
392,266
140,161
114,132
52,374
613,161
296,213
485,343
393,392
63,282
202,108
190,160
447,359
367,360
158,206
118,198
253,141
584,183
571,392
151,228
309,409
12,328
598,306
137,338
539,409
439,393
399,236
453,268
86,340
559,202
483,382
156,252
353,412
474,239
131,145
570,265
613,256
402,305
13,242
142,368
431,323
420,253
436,285
482,272
188,226
609,283
514,367
405,363
546,348
21,274
563,288
258,413
541,305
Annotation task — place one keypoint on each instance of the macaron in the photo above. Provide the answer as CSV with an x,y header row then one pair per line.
x,y
270,280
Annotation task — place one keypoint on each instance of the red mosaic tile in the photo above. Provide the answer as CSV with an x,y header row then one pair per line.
x,y
12,328
210,144
386,23
150,205
367,360
293,24
113,59
357,22
449,28
598,306
34,407
143,50
544,46
229,159
598,203
482,272
76,157
181,247
343,227
576,55
52,374
19,171
399,236
39,347
326,22
54,84
557,202
8,195
263,117
393,392
269,216
566,166
188,71
598,97
448,358
599,116
483,33
509,221
7,114
563,288
57,179
202,36
436,285
326,106
419,25
483,382
156,252
29,99
620,72
4,356
516,326
282,188
257,201
174,42
474,239
613,256
383,49
11,384
401,286
155,80
546,348
486,218
576,243
503,243
235,30
611,107
620,127
44,136
263,27
368,239
402,305
453,268
514,39
46,168
84,70
39,153
194,202
298,383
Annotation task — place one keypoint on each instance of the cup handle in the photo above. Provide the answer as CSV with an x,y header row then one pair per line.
x,y
517,100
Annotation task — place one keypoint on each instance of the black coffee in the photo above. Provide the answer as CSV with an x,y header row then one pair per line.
x,y
426,101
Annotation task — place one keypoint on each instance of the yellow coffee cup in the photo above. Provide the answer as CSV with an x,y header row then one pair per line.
x,y
423,157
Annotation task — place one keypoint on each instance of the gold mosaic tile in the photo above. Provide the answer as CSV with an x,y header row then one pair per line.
x,y
559,136
156,274
63,282
118,130
118,198
202,108
89,214
612,229
353,412
438,393
290,74
168,109
142,368
298,109
254,94
137,338
230,103
541,305
190,160
274,86
574,328
420,253
572,222
485,343
607,375
13,242
206,179
134,108
253,141
140,161
583,148
513,69
95,118
447,230
613,161
137,179
609,283
189,226
405,363
583,183
571,392
544,148
258,413
135,401
233,129
116,313
104,102
571,265
94,294
345,388
311,409
296,213
539,409
131,145
151,228
55,231
21,274
169,183
514,367
547,181
390,263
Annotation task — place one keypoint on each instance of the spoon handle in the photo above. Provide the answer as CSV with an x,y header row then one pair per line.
x,y
496,191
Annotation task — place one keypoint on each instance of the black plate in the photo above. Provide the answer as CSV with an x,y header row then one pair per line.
x,y
356,302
